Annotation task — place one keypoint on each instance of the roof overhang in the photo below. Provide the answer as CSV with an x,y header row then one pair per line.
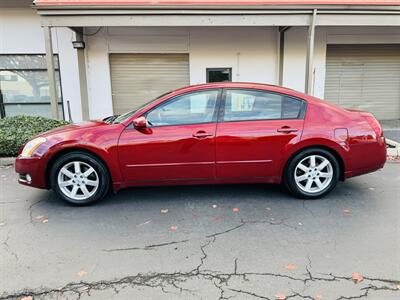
x,y
76,13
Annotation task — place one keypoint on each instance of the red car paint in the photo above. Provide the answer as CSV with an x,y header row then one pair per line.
x,y
220,152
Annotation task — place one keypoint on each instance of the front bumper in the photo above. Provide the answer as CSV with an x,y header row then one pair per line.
x,y
32,168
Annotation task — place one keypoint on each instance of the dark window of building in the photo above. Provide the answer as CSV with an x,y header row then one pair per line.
x,y
24,85
241,105
219,74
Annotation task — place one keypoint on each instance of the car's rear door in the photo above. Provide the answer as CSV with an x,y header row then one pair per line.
x,y
179,143
254,129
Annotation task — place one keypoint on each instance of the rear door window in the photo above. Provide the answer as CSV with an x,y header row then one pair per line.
x,y
242,105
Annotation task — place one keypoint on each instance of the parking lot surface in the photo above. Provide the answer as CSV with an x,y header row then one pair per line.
x,y
203,242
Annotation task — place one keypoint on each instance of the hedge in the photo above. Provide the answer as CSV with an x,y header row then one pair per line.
x,y
15,131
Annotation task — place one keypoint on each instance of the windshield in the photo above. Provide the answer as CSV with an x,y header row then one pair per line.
x,y
129,114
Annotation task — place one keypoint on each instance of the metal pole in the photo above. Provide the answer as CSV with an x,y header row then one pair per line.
x,y
50,72
310,54
281,46
82,78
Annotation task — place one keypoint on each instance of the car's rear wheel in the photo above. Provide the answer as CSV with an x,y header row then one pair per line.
x,y
312,173
79,178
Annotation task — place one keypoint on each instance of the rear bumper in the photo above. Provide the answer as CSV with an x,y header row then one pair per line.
x,y
367,158
35,168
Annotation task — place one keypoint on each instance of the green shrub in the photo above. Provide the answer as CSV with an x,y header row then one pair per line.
x,y
15,131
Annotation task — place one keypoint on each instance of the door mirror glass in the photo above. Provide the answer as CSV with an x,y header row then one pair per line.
x,y
140,122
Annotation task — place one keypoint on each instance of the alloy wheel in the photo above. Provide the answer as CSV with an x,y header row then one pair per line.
x,y
78,180
313,174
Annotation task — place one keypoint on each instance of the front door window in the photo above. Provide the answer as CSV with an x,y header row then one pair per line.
x,y
192,108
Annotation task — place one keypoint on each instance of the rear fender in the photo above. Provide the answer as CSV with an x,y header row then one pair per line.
x,y
339,149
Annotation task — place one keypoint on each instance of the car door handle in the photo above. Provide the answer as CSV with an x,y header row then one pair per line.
x,y
287,129
201,134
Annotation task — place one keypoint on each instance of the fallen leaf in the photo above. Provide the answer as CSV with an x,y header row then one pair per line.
x,y
214,206
268,208
164,210
318,296
2,224
173,228
280,296
357,277
300,224
82,273
291,267
27,298
39,217
45,220
217,218
346,211
371,188
235,209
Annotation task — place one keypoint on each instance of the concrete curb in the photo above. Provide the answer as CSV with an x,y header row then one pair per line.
x,y
392,143
393,151
7,161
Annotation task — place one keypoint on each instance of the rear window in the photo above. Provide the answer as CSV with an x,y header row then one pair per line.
x,y
243,105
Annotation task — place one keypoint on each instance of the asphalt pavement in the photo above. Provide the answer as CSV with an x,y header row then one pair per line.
x,y
203,242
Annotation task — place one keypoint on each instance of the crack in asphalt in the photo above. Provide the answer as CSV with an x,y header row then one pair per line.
x,y
154,246
249,293
30,208
219,279
8,248
147,247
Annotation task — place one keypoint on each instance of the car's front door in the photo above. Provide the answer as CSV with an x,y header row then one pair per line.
x,y
253,131
178,143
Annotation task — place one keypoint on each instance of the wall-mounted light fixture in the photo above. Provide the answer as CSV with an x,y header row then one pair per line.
x,y
78,44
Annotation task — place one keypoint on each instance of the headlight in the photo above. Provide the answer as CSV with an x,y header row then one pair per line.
x,y
31,146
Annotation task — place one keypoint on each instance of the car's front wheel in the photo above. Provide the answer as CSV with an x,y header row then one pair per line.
x,y
79,178
312,173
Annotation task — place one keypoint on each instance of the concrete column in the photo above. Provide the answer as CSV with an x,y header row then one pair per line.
x,y
51,72
310,54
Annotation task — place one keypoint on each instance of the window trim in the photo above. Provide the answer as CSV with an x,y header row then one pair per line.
x,y
56,68
300,116
215,113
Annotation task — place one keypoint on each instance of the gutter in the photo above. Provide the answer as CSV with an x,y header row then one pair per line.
x,y
164,11
220,7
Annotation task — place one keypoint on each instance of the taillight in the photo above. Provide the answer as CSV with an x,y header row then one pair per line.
x,y
374,124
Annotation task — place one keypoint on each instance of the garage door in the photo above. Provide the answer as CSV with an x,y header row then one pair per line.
x,y
138,78
365,77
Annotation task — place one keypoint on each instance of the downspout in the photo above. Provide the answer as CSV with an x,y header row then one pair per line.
x,y
281,58
310,54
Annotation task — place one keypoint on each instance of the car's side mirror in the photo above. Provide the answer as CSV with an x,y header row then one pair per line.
x,y
140,123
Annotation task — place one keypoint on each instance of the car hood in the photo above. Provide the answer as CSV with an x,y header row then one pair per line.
x,y
74,127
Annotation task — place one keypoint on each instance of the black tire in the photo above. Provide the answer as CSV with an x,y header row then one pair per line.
x,y
86,158
289,174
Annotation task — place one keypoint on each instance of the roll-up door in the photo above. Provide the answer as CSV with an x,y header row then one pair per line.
x,y
365,77
138,78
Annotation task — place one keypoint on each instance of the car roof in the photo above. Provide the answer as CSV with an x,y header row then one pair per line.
x,y
244,85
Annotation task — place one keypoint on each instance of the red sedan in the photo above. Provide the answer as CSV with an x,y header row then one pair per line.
x,y
207,134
